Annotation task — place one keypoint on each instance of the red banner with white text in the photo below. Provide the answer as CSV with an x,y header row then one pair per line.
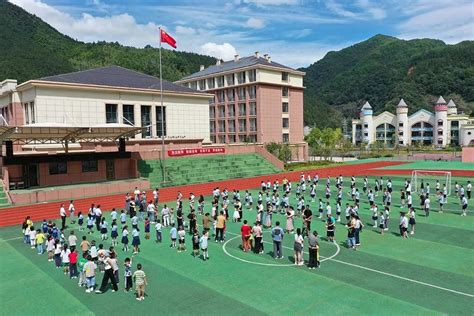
x,y
195,151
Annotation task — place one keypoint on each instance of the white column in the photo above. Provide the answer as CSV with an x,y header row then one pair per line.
x,y
138,118
153,121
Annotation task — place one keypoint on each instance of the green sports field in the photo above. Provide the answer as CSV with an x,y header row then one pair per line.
x,y
428,273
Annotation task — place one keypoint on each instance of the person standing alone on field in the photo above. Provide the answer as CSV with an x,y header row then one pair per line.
x,y
313,245
62,213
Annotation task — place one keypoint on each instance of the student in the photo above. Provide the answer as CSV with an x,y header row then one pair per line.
x,y
196,241
139,277
73,263
123,218
330,228
246,232
50,247
136,240
220,225
181,239
298,248
257,236
441,201
374,215
427,206
409,200
89,272
72,239
84,245
464,206
103,228
128,274
173,236
90,223
147,228
277,236
158,228
57,253
350,234
93,251
32,236
80,221
382,223
402,199
203,243
113,215
114,232
468,190
206,220
412,222
65,258
125,238
403,225
80,266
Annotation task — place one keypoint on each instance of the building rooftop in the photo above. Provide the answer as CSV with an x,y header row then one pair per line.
x,y
116,76
402,103
451,104
366,106
441,100
236,64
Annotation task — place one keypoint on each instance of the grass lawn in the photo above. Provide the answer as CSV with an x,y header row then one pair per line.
x,y
429,273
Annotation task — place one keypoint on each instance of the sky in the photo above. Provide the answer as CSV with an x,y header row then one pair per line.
x,y
296,33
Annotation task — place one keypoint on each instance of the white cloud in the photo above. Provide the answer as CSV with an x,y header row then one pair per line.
x,y
272,2
223,51
373,10
88,28
451,23
185,30
255,23
339,9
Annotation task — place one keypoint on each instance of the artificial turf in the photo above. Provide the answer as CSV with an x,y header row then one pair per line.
x,y
386,275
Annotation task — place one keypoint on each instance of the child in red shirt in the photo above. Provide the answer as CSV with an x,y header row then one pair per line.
x,y
246,233
73,263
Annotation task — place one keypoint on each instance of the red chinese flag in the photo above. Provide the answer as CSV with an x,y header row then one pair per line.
x,y
166,38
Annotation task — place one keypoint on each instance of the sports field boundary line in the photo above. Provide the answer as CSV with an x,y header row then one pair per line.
x,y
378,271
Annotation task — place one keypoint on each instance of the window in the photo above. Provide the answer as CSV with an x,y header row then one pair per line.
x,y
243,138
222,126
212,127
253,108
27,113
242,109
222,139
366,125
231,95
213,138
286,138
111,113
212,112
128,114
440,142
161,121
89,166
252,75
146,120
252,138
400,124
210,83
212,101
241,94
252,92
193,85
454,124
400,142
220,96
221,111
284,76
32,112
241,77
253,124
242,125
440,133
284,107
400,133
220,81
440,122
231,126
58,168
231,110
231,138
202,84
366,134
230,80
286,122
284,92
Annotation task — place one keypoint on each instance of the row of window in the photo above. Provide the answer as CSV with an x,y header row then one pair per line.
x,y
231,126
111,116
230,139
231,113
231,96
61,167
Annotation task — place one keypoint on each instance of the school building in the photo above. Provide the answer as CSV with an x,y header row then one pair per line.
x,y
256,100
442,128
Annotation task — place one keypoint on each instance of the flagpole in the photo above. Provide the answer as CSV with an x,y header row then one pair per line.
x,y
163,164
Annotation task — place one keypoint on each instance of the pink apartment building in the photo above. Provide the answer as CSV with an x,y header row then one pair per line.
x,y
255,100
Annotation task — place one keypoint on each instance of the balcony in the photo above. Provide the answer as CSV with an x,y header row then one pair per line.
x,y
422,129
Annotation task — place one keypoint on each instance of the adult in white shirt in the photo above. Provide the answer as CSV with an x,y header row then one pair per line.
x,y
98,217
156,193
62,213
165,212
150,209
464,206
468,189
403,225
71,211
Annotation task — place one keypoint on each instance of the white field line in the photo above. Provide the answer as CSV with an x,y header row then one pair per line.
x,y
371,270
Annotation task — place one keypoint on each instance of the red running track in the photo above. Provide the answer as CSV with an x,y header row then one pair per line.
x,y
38,212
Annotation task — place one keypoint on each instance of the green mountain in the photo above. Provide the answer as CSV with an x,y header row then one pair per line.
x,y
30,49
384,69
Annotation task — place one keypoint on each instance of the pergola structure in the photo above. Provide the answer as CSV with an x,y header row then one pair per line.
x,y
63,134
